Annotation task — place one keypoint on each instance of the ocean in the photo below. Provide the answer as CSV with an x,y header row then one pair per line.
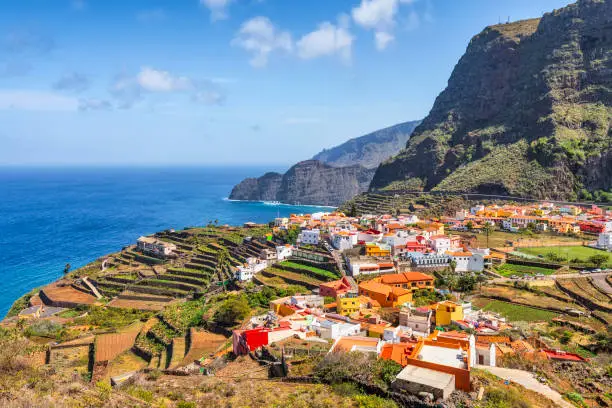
x,y
53,216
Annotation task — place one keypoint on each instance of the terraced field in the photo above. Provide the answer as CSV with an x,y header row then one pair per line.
x,y
318,273
527,298
583,287
520,270
292,278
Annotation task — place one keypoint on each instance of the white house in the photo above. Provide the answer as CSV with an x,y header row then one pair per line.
x,y
309,237
329,329
155,247
605,240
344,240
252,267
479,259
440,243
485,355
283,252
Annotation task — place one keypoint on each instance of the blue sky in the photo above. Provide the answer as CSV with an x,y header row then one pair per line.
x,y
223,81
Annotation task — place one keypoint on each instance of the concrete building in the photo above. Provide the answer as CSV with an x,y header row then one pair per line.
x,y
309,237
331,329
155,247
283,252
604,240
418,320
253,266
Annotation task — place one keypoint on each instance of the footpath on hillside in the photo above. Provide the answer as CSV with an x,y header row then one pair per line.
x,y
527,380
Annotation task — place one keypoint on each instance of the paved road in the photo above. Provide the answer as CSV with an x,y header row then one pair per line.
x,y
527,380
601,283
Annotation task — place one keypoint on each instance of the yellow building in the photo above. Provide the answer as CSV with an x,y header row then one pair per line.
x,y
348,304
377,249
448,311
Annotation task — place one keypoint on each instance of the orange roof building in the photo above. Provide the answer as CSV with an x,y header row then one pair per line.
x,y
385,295
408,280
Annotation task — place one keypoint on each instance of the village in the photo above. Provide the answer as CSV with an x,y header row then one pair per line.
x,y
491,289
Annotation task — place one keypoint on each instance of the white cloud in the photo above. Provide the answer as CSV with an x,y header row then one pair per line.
x,y
380,16
260,37
327,40
129,90
218,8
36,101
382,39
376,14
153,80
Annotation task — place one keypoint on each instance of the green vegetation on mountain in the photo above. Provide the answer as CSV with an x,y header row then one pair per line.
x,y
526,112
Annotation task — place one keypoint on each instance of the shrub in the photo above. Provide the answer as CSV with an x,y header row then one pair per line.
x,y
232,310
185,404
504,398
372,401
153,375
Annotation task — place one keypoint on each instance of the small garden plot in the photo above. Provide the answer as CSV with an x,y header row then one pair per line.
x,y
184,315
512,269
323,273
109,317
515,313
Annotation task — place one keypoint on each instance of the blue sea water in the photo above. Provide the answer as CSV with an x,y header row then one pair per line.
x,y
53,216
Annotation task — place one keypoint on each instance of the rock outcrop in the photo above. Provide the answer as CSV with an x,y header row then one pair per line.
x,y
333,175
526,112
310,182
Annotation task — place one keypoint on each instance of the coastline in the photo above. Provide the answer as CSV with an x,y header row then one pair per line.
x,y
278,203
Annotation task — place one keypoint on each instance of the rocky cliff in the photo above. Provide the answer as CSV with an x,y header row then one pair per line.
x,y
369,150
526,112
333,175
308,182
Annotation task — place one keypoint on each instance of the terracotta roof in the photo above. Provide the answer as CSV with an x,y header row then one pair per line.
x,y
404,277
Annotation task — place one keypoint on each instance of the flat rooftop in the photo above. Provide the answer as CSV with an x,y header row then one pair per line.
x,y
425,376
442,355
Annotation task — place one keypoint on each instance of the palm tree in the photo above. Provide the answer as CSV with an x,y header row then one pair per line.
x,y
453,266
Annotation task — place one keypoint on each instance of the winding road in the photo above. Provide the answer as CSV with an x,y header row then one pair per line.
x,y
527,380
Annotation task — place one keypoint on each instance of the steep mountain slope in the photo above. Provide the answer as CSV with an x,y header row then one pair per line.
x,y
526,112
332,176
369,150
308,182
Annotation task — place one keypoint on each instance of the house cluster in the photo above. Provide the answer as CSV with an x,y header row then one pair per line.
x,y
388,244
562,219
437,345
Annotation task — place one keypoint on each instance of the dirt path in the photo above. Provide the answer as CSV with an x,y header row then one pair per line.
x,y
601,282
527,380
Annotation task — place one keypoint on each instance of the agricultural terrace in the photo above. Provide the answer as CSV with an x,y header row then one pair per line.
x,y
513,312
500,239
549,298
573,254
322,273
508,270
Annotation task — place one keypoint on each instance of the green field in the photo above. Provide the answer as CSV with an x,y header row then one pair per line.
x,y
569,252
515,313
321,272
511,269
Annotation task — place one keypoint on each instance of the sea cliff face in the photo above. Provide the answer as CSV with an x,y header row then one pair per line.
x,y
308,182
526,112
333,175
